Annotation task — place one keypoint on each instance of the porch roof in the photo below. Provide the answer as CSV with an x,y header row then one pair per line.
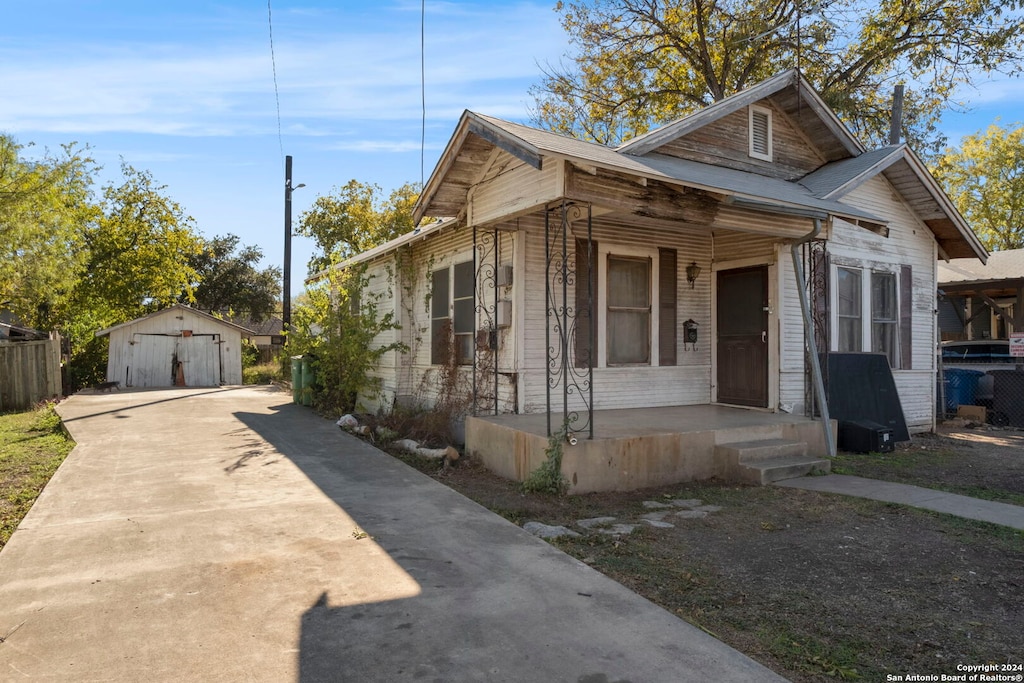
x,y
1003,268
446,191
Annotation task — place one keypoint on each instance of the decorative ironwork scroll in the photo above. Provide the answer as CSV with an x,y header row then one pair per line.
x,y
570,332
816,265
486,259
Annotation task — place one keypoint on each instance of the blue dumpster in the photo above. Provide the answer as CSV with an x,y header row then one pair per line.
x,y
961,387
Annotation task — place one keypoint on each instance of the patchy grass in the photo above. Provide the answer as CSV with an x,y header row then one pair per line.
x,y
817,587
33,444
987,465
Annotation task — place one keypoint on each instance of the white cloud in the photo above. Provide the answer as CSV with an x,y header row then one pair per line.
x,y
326,77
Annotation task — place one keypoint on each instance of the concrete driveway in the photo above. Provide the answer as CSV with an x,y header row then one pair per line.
x,y
229,535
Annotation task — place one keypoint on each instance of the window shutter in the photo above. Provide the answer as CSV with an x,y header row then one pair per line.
x,y
584,338
906,317
668,274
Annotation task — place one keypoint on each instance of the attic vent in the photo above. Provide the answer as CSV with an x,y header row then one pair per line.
x,y
761,133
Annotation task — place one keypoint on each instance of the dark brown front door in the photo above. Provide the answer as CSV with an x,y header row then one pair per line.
x,y
743,336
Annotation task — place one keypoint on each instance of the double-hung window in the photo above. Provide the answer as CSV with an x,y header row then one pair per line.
x,y
867,313
452,315
629,310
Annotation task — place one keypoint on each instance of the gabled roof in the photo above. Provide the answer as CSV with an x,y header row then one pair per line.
x,y
789,90
1001,266
174,307
474,149
532,146
909,176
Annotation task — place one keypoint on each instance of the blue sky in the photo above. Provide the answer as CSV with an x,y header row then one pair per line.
x,y
185,90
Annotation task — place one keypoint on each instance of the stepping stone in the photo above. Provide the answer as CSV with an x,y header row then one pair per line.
x,y
691,514
708,508
618,529
655,505
688,503
548,531
655,516
658,524
594,522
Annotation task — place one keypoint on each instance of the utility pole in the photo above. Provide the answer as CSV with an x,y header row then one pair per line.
x,y
286,294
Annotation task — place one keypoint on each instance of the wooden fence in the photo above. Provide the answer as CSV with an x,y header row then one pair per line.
x,y
29,373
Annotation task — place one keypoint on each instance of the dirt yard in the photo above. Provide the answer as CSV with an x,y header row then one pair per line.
x,y
817,586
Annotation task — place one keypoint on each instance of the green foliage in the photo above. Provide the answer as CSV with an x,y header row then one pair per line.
x,y
263,373
336,327
44,204
229,281
32,446
639,63
354,220
548,477
985,179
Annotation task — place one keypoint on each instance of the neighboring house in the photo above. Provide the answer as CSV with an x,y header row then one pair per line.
x,y
982,300
177,346
267,335
574,277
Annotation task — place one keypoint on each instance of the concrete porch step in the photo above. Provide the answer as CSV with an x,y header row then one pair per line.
x,y
765,461
761,449
762,472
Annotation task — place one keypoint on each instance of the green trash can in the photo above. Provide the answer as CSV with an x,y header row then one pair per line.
x,y
307,383
296,379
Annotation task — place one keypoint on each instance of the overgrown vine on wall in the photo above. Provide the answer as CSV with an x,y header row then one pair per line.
x,y
335,328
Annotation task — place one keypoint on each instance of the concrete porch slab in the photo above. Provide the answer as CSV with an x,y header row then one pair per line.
x,y
634,448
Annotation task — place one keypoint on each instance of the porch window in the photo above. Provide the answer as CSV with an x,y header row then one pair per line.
x,y
629,310
452,316
464,320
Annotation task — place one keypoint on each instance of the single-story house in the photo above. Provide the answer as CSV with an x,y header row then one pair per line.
x,y
982,300
176,346
653,303
267,336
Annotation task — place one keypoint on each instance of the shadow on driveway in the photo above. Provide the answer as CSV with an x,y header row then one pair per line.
x,y
472,596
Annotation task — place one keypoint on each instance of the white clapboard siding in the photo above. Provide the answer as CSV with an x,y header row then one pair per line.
x,y
621,387
909,243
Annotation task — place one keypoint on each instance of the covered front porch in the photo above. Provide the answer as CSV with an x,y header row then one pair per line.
x,y
644,447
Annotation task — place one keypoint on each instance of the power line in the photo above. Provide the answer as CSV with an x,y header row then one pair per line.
x,y
423,87
273,63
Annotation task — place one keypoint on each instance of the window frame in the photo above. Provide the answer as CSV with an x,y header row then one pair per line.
x,y
447,324
627,252
868,316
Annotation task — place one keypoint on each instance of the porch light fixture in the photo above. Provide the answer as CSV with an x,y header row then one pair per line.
x,y
692,273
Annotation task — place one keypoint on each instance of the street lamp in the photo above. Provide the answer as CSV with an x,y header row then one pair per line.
x,y
286,294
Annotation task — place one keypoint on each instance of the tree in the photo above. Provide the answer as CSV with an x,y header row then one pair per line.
x,y
229,280
985,179
640,63
356,219
44,208
140,250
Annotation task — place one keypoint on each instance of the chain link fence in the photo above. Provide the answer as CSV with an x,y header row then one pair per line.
x,y
980,381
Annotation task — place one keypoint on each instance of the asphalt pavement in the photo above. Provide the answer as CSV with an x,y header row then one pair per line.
x,y
227,534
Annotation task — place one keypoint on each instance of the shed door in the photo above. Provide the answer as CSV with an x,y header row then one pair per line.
x,y
199,356
742,353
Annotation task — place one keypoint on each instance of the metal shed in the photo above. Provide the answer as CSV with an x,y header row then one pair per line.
x,y
177,346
